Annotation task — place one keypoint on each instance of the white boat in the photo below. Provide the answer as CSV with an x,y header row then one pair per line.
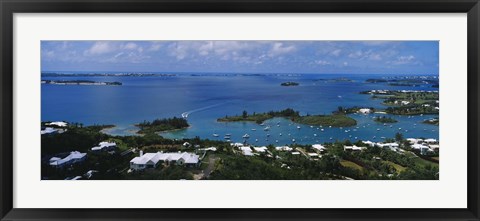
x,y
321,129
262,124
253,129
298,127
246,136
215,135
268,135
314,135
293,140
266,128
280,134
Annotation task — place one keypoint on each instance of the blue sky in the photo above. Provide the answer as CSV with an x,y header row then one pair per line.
x,y
345,57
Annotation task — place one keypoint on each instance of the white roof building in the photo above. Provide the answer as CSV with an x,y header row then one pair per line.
x,y
262,149
419,146
413,140
312,154
48,130
104,145
295,153
236,144
365,110
431,140
434,146
58,124
369,143
209,148
283,148
246,150
73,157
319,147
354,148
151,160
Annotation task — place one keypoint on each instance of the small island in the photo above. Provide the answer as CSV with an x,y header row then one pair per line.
x,y
433,121
161,125
290,83
407,102
384,119
334,120
80,82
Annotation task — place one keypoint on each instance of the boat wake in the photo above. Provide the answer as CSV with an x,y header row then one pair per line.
x,y
187,113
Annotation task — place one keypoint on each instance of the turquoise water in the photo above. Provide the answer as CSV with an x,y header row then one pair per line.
x,y
206,98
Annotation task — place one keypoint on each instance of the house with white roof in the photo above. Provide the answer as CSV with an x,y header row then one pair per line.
x,y
431,140
319,147
414,140
48,130
246,150
262,149
364,110
105,146
57,123
369,143
152,160
312,154
283,148
392,146
353,148
73,157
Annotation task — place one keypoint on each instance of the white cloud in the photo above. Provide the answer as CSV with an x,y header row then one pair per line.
x,y
406,59
130,46
322,62
100,47
336,52
278,48
155,46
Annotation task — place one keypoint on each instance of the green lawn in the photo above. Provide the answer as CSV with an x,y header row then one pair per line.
x,y
397,167
350,164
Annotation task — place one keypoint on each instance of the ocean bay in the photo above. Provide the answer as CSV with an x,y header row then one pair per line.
x,y
207,97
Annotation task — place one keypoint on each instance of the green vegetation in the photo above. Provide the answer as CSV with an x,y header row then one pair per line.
x,y
160,125
289,83
384,119
227,163
351,164
334,120
350,110
407,102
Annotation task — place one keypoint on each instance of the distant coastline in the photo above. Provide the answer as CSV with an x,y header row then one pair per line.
x,y
81,82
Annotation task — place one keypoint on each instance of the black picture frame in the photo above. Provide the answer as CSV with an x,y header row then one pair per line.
x,y
9,7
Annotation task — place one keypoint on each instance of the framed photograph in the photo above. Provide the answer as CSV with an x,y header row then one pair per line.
x,y
123,110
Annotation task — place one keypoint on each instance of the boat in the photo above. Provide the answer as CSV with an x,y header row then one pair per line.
x,y
378,129
246,136
262,124
280,134
215,135
311,126
314,135
298,127
253,129
256,140
268,135
322,129
228,135
293,140
266,128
